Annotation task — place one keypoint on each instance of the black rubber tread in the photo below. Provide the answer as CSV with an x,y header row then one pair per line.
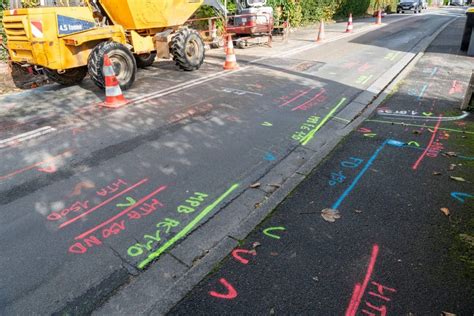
x,y
144,61
69,77
177,49
95,63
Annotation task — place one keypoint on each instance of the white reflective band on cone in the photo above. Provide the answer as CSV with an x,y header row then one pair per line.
x,y
108,71
113,91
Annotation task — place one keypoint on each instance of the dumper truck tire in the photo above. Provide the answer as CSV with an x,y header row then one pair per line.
x,y
187,48
145,60
67,78
122,59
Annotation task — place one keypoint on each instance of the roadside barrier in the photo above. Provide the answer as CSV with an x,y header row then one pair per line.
x,y
322,33
230,60
350,27
113,94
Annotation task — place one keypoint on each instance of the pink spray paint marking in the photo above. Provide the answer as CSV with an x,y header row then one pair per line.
x,y
417,163
72,220
456,87
377,295
297,97
122,213
359,289
48,169
231,292
236,254
319,97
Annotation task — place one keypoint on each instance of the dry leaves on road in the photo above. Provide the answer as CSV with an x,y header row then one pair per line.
x,y
460,179
255,185
451,167
330,215
436,173
445,211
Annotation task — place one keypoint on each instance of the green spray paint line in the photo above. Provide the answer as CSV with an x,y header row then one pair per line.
x,y
417,125
186,229
310,135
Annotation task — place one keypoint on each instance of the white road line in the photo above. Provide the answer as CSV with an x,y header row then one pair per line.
x,y
26,136
432,118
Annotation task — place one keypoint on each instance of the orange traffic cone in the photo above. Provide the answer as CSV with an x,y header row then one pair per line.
x,y
230,60
379,17
113,94
322,33
350,27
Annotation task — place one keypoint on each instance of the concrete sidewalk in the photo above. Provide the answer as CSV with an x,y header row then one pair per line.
x,y
383,226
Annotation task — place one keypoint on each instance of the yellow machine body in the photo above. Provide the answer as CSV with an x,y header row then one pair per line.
x,y
62,38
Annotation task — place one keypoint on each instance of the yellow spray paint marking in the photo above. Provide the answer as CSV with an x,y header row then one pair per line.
x,y
270,229
427,113
370,135
414,144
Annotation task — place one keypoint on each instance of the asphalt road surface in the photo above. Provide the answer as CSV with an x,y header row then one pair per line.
x,y
389,249
91,197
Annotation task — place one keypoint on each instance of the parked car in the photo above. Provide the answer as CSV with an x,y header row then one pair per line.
x,y
457,2
410,5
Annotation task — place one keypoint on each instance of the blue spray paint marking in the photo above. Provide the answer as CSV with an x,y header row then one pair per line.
x,y
269,157
435,70
359,176
461,197
390,142
420,96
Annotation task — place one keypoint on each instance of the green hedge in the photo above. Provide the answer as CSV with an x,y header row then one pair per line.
x,y
301,12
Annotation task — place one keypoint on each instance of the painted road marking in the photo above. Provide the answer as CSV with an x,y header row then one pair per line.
x,y
122,213
66,154
433,136
182,233
26,136
310,135
418,125
461,197
362,172
426,117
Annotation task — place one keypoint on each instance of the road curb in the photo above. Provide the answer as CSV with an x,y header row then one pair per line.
x,y
197,255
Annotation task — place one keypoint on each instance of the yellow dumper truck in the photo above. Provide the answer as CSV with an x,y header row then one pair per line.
x,y
70,41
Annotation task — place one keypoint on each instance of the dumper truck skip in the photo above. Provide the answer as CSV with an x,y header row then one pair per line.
x,y
69,42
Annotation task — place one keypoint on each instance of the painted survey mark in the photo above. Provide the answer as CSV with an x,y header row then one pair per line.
x,y
456,87
392,56
269,231
237,254
367,132
311,126
391,142
461,196
240,92
48,165
431,149
404,114
188,228
266,124
338,177
370,297
298,103
422,126
230,292
116,224
363,79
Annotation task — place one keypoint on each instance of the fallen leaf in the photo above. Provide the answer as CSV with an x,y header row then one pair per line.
x,y
451,167
445,211
255,185
315,278
274,185
256,244
257,205
460,179
358,211
272,311
436,173
330,215
447,314
451,153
